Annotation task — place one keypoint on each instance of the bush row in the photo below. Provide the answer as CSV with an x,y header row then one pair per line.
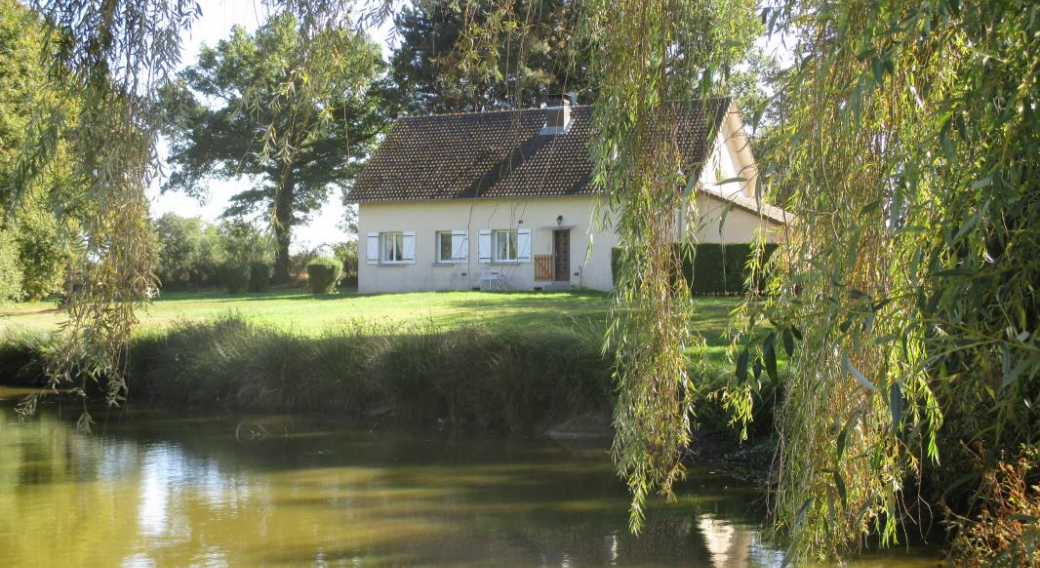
x,y
709,268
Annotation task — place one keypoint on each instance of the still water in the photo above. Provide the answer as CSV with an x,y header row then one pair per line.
x,y
153,488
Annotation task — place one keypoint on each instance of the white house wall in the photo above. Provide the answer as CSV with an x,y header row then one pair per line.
x,y
723,222
589,247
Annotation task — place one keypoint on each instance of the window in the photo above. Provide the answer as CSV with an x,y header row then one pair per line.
x,y
505,245
392,247
448,250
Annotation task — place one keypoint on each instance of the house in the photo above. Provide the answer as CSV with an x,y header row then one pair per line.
x,y
504,199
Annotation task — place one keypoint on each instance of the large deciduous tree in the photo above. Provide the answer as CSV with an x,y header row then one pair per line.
x,y
41,240
531,54
287,108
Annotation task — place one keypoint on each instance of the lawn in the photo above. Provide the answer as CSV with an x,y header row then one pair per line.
x,y
299,311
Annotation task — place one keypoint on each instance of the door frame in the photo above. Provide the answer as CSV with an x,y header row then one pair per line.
x,y
556,260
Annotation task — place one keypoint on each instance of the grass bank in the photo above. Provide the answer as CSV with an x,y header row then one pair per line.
x,y
507,362
470,376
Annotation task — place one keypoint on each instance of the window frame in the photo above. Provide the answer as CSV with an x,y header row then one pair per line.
x,y
512,245
394,238
438,244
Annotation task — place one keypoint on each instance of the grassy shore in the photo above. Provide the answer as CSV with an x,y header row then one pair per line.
x,y
503,361
301,311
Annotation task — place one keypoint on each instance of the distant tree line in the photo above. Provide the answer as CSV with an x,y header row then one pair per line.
x,y
195,253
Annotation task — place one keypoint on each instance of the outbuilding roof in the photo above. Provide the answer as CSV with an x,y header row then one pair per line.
x,y
503,154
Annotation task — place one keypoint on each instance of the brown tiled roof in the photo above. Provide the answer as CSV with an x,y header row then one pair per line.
x,y
501,154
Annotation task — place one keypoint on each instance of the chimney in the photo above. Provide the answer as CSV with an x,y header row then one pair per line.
x,y
558,113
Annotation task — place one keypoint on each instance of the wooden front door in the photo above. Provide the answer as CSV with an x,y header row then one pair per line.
x,y
562,255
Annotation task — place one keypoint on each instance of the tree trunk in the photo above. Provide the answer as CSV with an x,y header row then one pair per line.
x,y
283,230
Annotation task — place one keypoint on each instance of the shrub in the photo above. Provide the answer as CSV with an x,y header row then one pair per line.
x,y
323,274
234,277
259,276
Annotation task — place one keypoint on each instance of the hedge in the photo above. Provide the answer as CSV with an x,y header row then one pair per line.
x,y
234,277
259,276
711,268
323,274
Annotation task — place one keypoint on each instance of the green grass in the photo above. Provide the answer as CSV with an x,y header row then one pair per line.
x,y
304,313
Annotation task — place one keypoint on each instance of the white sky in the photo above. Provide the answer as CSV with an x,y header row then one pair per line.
x,y
218,17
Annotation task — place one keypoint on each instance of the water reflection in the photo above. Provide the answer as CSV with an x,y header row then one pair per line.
x,y
156,490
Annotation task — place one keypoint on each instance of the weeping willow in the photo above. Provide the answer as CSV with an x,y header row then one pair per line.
x,y
109,58
654,59
909,151
115,58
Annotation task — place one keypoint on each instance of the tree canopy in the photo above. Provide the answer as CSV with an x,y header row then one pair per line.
x,y
291,112
533,53
41,217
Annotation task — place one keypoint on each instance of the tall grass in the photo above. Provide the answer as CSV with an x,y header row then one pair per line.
x,y
508,379
21,358
505,380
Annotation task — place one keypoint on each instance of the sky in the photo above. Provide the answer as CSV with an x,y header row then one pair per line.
x,y
218,17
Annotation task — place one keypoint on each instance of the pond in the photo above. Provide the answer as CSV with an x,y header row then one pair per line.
x,y
154,488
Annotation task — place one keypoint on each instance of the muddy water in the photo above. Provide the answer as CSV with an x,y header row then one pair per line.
x,y
152,488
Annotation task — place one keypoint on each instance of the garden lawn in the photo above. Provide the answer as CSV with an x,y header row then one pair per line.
x,y
306,314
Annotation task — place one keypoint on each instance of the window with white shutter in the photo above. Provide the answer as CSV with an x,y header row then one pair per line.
x,y
484,246
372,250
523,245
460,244
452,246
408,252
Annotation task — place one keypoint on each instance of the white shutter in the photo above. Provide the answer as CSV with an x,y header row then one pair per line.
x,y
484,246
372,251
523,245
408,254
460,244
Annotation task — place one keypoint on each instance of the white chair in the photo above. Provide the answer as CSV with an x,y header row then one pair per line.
x,y
493,281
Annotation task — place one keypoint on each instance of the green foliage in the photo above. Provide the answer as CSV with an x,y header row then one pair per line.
x,y
42,212
323,274
528,46
347,253
41,255
234,276
244,243
190,251
292,110
910,152
259,276
10,269
709,268
684,52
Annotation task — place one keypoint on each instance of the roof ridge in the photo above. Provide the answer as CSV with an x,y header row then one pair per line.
x,y
723,98
464,113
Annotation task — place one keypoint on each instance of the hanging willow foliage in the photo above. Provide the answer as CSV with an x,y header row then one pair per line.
x,y
114,58
110,58
654,59
909,149
650,60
